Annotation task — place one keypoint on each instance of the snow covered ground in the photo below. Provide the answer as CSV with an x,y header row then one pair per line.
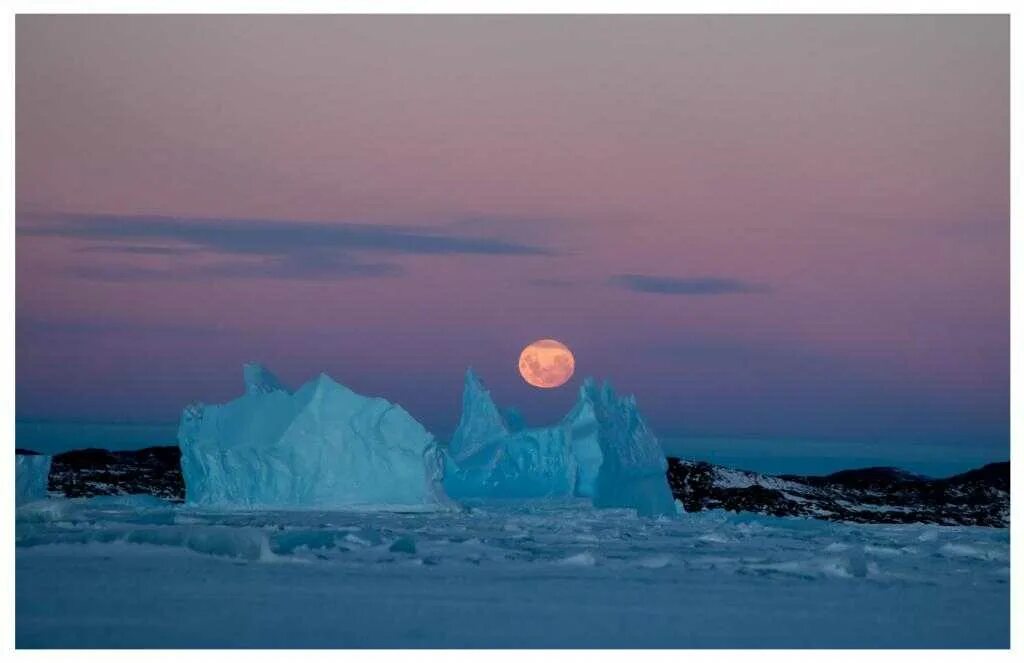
x,y
140,572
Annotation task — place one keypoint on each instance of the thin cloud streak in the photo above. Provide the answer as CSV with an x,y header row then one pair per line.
x,y
140,250
702,286
273,236
256,248
304,268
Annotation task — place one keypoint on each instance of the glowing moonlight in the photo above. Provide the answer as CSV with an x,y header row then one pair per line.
x,y
546,363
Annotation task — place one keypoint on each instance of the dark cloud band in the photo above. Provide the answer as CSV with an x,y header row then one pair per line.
x,y
696,286
261,248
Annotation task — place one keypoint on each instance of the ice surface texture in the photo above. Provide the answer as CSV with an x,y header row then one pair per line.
x,y
32,473
602,450
133,571
323,445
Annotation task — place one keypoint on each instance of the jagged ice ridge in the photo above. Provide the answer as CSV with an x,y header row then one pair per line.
x,y
602,450
324,445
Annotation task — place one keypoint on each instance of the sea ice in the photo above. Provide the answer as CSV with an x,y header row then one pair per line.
x,y
419,579
32,473
602,450
323,445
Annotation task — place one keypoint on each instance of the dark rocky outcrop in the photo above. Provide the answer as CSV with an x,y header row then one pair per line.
x,y
90,472
869,495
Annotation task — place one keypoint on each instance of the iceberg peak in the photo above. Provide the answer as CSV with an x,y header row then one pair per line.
x,y
258,380
603,393
481,419
632,463
321,383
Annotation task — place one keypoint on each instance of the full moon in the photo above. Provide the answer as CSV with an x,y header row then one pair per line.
x,y
546,363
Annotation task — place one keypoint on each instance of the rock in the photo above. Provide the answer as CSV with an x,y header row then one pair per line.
x,y
92,472
868,495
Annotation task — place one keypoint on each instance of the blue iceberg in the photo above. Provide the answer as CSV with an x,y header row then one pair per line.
x,y
602,450
31,476
322,446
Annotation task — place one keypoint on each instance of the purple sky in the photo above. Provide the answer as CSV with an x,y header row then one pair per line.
x,y
766,226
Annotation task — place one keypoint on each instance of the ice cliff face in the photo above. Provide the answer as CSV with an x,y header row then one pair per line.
x,y
323,445
31,475
621,463
602,450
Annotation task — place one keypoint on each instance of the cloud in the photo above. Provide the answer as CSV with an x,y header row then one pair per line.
x,y
34,326
695,286
260,248
310,265
121,273
138,249
270,237
307,267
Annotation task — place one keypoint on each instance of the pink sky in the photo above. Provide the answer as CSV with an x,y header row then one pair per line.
x,y
848,176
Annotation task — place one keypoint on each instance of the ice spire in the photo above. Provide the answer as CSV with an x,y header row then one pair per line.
x,y
481,420
258,380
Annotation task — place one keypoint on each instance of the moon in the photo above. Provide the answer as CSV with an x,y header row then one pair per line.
x,y
546,363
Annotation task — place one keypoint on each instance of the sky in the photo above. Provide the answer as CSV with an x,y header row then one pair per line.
x,y
767,227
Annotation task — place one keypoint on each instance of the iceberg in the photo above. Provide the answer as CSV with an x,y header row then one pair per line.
x,y
31,477
602,450
321,446
488,457
481,421
258,380
620,462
